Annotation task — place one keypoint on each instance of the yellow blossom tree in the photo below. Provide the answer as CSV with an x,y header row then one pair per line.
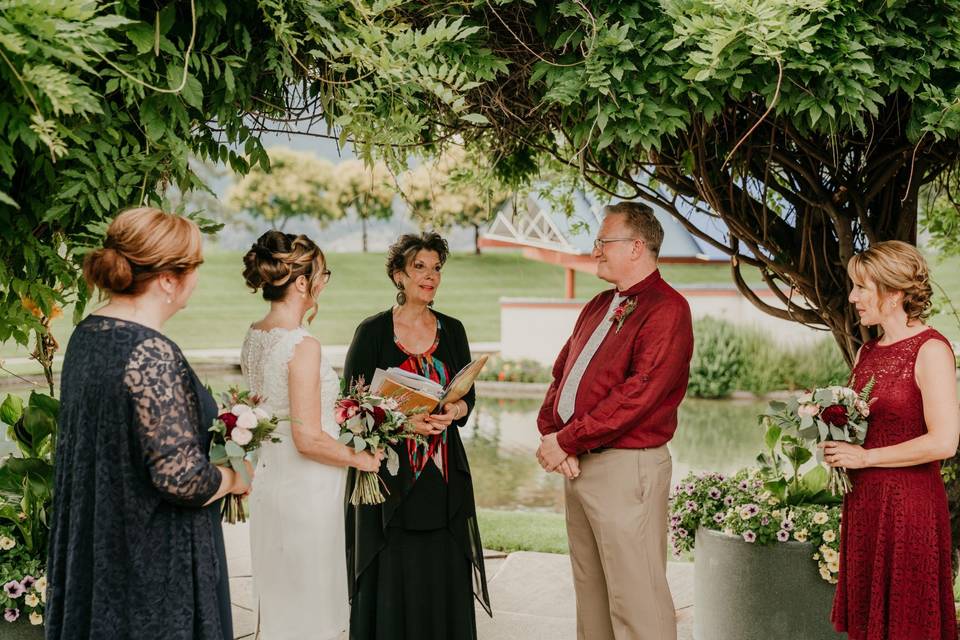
x,y
297,184
452,191
365,190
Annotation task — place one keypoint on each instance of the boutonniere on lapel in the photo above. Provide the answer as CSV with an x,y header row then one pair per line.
x,y
623,310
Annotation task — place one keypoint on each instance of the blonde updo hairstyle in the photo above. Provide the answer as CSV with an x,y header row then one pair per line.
x,y
277,259
896,266
142,244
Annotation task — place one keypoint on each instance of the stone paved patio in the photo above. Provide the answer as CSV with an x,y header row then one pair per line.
x,y
531,593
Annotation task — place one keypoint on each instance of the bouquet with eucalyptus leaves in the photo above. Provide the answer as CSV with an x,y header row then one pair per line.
x,y
836,413
241,428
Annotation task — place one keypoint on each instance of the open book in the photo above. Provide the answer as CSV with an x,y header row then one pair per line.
x,y
416,392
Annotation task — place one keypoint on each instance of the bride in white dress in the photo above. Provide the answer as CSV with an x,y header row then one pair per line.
x,y
297,506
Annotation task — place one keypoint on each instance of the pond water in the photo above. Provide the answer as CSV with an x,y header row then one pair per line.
x,y
501,439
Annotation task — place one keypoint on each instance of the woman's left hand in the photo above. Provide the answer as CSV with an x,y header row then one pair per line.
x,y
844,454
443,420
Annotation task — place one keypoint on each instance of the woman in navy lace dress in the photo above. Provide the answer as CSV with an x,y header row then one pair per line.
x,y
136,548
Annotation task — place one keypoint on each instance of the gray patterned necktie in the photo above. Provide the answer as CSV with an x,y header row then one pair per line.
x,y
568,395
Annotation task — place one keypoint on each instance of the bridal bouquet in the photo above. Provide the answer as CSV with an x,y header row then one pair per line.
x,y
833,413
240,429
369,421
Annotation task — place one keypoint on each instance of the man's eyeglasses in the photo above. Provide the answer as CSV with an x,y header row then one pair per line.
x,y
599,243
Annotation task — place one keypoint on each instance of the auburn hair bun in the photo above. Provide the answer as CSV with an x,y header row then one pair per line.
x,y
141,244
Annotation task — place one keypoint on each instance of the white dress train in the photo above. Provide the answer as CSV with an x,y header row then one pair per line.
x,y
296,508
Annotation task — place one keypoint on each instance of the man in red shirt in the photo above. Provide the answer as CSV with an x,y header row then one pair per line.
x,y
605,424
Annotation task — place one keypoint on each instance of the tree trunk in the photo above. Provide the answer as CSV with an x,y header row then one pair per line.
x,y
476,239
363,226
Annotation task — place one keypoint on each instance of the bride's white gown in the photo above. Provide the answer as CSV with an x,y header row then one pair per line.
x,y
296,521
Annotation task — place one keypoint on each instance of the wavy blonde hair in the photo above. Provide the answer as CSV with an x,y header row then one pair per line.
x,y
896,266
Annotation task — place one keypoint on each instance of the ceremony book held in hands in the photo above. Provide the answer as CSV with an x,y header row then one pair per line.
x,y
415,392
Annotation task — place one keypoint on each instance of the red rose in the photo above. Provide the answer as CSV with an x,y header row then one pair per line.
x,y
379,415
835,415
228,419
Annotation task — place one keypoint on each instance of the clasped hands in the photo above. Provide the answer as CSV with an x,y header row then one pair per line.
x,y
427,424
554,459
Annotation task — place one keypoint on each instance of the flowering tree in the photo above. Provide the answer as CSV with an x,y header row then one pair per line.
x,y
365,190
450,190
296,184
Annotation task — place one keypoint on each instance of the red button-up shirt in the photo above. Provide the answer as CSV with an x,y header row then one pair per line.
x,y
630,391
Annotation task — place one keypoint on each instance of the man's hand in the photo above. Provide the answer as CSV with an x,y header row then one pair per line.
x,y
570,467
550,455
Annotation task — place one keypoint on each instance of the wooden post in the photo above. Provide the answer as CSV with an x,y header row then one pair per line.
x,y
571,280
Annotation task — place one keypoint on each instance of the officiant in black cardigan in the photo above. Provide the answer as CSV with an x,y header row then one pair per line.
x,y
415,562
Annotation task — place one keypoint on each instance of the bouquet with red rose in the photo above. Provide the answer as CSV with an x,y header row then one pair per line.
x,y
829,413
369,421
240,429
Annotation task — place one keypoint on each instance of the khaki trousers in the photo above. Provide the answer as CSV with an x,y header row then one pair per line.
x,y
617,529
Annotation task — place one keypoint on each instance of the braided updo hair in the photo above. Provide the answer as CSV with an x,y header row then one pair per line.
x,y
277,259
896,266
141,244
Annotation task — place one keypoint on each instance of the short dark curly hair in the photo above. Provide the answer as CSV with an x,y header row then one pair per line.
x,y
402,252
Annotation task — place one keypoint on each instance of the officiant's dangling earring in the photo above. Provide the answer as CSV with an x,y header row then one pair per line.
x,y
401,295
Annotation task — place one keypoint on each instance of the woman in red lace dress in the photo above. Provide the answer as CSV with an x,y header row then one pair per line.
x,y
895,579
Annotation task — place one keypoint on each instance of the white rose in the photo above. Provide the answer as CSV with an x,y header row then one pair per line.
x,y
41,584
820,517
829,535
36,619
825,573
261,414
833,566
31,600
806,410
247,420
7,543
241,436
240,409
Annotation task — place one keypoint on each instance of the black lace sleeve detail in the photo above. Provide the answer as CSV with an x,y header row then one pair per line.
x,y
166,424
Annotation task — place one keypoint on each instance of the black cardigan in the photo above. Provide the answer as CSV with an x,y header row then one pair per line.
x,y
373,346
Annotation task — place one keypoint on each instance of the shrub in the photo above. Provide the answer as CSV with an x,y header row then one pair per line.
x,y
717,359
501,370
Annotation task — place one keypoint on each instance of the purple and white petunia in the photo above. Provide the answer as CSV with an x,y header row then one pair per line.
x,y
718,518
691,505
14,589
714,493
749,536
28,582
11,615
787,525
783,535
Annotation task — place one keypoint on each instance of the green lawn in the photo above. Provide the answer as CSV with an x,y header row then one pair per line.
x,y
222,308
510,531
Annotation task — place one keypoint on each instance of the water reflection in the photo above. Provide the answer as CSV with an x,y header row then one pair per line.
x,y
501,439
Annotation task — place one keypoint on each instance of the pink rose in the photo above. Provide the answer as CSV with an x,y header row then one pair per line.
x,y
345,409
241,436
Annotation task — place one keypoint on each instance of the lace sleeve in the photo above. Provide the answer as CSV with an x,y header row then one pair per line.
x,y
166,424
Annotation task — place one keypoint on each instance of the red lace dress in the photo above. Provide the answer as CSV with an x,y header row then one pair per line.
x,y
895,580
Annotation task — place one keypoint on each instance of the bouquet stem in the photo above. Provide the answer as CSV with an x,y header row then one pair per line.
x,y
839,482
233,510
367,489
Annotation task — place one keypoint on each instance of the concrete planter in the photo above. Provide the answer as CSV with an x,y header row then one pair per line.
x,y
20,630
748,592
